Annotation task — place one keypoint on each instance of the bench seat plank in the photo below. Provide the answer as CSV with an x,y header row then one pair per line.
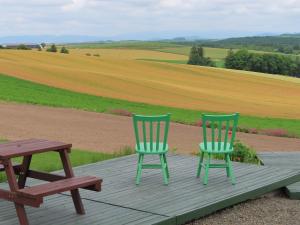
x,y
62,186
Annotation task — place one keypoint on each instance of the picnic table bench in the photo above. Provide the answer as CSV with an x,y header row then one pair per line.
x,y
33,196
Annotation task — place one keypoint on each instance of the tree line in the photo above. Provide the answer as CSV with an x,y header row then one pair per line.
x,y
265,63
40,47
289,44
245,60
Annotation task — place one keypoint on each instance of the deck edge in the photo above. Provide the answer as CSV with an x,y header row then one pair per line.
x,y
198,213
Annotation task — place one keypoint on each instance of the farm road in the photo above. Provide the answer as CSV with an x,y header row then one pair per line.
x,y
107,133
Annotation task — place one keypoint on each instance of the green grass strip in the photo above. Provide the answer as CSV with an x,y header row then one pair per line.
x,y
166,61
21,91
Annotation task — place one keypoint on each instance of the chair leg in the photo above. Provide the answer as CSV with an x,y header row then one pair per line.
x,y
207,165
139,169
230,170
163,167
167,167
227,166
200,164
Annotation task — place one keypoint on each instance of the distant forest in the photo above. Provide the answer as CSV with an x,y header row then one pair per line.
x,y
265,63
285,43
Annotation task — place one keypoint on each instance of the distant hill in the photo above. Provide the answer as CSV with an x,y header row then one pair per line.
x,y
285,43
25,39
296,35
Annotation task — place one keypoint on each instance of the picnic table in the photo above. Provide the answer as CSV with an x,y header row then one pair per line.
x,y
33,196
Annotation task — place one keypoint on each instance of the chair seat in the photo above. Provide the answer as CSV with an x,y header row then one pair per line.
x,y
224,148
153,150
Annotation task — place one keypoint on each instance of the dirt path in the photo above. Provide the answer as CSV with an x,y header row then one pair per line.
x,y
103,132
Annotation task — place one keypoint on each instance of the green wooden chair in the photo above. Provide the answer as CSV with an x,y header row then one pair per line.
x,y
221,142
151,143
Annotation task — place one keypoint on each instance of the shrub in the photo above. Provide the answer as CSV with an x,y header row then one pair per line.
x,y
253,131
276,132
52,48
23,47
198,123
97,55
64,50
243,129
88,54
121,112
242,153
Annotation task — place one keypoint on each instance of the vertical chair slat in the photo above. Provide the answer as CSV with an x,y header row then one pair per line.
x,y
226,135
151,135
234,129
136,132
144,135
157,135
213,134
167,123
219,135
204,131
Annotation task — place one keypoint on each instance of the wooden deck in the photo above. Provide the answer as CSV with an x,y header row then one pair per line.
x,y
285,160
184,199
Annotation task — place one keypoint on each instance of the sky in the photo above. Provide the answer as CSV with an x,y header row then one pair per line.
x,y
149,19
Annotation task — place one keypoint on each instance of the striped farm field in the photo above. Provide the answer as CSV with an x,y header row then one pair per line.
x,y
117,74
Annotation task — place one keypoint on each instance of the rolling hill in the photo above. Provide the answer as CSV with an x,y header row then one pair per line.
x,y
117,74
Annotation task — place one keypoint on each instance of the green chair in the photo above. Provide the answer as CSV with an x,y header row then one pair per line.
x,y
223,130
151,142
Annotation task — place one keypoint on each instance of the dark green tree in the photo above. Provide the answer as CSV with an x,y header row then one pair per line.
x,y
52,48
238,60
64,50
43,44
197,57
194,56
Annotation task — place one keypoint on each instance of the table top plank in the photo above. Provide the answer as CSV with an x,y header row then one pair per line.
x,y
29,147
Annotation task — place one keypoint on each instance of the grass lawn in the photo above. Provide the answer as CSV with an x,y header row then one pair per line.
x,y
21,91
50,161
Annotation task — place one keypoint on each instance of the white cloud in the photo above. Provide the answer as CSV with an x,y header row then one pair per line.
x,y
74,5
166,17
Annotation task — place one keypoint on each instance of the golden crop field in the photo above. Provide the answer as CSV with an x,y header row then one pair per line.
x,y
117,74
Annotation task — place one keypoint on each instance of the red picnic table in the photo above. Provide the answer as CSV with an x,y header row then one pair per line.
x,y
33,196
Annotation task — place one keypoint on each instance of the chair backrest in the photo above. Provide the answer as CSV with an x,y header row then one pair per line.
x,y
153,124
223,130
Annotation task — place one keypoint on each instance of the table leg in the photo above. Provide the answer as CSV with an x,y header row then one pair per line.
x,y
69,173
23,174
14,187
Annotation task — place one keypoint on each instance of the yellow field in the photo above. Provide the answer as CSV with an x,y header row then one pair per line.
x,y
117,74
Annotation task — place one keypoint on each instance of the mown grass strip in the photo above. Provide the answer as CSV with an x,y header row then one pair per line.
x,y
21,91
166,61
